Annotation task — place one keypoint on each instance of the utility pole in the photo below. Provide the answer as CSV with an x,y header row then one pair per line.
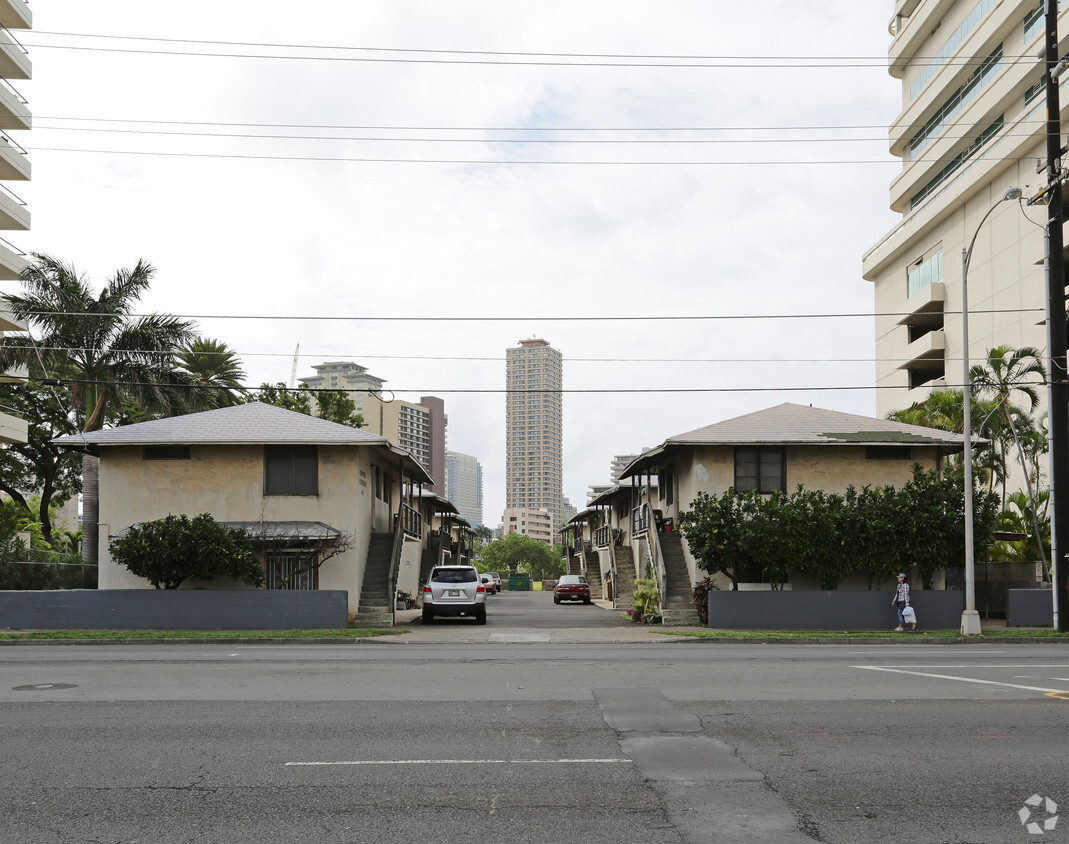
x,y
1059,391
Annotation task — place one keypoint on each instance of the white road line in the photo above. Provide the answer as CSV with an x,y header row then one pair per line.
x,y
465,762
959,679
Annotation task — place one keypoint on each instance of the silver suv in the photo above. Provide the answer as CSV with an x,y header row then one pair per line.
x,y
454,590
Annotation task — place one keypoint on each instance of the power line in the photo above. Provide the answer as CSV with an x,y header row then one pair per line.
x,y
500,161
497,359
503,56
530,318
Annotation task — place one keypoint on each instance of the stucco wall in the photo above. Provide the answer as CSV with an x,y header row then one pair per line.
x,y
227,482
832,468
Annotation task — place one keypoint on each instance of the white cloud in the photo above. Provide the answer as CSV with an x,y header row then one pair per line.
x,y
235,236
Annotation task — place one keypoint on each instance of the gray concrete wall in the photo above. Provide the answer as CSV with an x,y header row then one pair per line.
x,y
173,609
1029,608
835,610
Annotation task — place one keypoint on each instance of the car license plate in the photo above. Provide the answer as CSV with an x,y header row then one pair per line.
x,y
454,593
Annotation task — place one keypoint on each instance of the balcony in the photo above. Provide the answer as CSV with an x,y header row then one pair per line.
x,y
14,62
12,428
13,162
14,111
925,350
16,14
12,264
926,303
13,212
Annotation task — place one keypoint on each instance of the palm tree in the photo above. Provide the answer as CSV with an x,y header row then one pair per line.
x,y
1007,371
214,371
97,345
94,341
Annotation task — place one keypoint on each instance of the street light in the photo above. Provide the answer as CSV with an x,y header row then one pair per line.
x,y
970,618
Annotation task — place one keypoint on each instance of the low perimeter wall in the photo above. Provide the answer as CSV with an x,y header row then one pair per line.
x,y
936,610
1030,608
174,609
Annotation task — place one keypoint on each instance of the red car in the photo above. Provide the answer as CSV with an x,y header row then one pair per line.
x,y
571,587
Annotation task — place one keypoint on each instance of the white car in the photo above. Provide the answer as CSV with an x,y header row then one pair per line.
x,y
455,591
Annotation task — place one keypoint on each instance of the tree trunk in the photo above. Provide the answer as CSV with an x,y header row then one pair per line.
x,y
90,508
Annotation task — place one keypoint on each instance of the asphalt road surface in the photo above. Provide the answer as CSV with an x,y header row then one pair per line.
x,y
540,739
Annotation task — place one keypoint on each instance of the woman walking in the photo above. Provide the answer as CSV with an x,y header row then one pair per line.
x,y
901,601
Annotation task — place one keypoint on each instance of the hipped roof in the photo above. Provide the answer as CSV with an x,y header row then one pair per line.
x,y
795,424
244,424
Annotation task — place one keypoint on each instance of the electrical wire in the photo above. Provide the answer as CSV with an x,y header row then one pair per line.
x,y
531,318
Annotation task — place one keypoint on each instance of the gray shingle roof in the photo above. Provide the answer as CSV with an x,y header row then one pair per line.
x,y
795,424
243,424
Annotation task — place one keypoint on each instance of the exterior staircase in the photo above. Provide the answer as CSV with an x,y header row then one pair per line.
x,y
376,602
677,606
625,576
574,563
593,575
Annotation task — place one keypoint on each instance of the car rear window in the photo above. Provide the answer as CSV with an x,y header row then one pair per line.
x,y
454,576
571,579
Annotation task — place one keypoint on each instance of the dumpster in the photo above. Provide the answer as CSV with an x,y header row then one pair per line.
x,y
519,583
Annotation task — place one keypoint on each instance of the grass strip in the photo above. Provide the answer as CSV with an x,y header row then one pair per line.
x,y
349,633
1014,633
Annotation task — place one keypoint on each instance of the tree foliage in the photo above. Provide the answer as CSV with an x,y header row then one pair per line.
x,y
169,551
828,536
517,552
332,405
37,465
93,340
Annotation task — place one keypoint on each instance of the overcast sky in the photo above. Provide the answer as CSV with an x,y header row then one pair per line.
x,y
399,198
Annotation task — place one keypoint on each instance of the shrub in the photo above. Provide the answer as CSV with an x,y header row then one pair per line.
x,y
169,551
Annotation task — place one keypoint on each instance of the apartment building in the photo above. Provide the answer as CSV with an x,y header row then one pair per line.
x,y
344,375
464,485
972,124
534,466
535,523
14,167
420,429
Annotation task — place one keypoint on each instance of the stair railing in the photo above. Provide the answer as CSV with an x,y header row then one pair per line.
x,y
643,524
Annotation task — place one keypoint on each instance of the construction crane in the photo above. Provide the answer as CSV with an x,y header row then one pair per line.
x,y
293,369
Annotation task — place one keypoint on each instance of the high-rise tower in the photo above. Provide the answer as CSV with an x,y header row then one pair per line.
x,y
534,465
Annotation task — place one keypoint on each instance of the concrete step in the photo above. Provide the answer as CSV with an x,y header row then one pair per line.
x,y
372,619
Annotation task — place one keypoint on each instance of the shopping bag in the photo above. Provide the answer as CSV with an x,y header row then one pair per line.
x,y
909,615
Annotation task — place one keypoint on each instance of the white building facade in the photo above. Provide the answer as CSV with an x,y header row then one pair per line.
x,y
972,124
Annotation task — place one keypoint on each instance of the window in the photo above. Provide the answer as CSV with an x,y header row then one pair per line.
x,y
924,273
291,570
291,470
760,469
165,452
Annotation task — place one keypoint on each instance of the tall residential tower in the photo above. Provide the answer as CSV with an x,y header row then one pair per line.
x,y
534,464
464,485
972,124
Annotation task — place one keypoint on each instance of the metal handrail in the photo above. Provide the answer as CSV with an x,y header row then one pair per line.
x,y
11,35
13,142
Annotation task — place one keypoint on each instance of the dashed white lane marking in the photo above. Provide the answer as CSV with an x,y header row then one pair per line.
x,y
960,679
465,762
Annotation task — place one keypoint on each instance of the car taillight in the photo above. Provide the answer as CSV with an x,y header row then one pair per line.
x,y
426,590
480,589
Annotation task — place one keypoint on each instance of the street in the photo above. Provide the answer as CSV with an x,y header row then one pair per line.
x,y
553,724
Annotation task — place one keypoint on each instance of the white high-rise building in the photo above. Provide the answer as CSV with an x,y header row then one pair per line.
x,y
14,166
534,466
972,124
464,485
